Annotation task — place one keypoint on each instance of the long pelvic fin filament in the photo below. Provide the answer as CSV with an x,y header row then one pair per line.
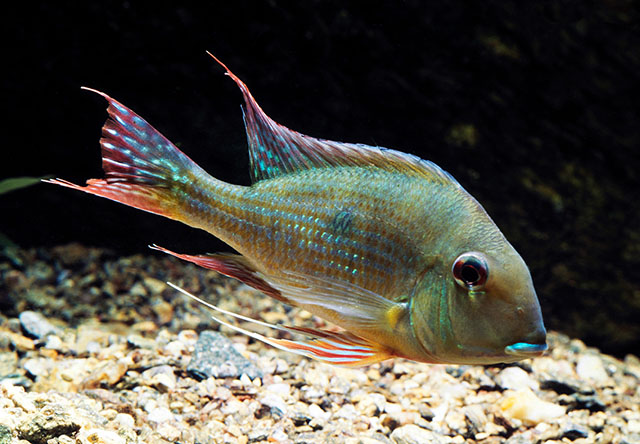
x,y
326,346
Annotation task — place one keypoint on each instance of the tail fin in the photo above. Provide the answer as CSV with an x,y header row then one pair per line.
x,y
143,169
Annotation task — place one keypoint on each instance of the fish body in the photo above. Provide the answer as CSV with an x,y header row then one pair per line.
x,y
385,245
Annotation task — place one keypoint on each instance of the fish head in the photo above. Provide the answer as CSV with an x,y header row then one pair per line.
x,y
479,307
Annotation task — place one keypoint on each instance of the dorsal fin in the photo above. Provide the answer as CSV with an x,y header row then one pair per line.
x,y
275,150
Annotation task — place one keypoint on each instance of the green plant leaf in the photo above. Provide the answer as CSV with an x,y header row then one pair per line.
x,y
16,183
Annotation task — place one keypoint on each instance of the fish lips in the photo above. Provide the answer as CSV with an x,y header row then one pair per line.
x,y
525,349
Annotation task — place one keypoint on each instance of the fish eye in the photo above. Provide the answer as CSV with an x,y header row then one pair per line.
x,y
470,270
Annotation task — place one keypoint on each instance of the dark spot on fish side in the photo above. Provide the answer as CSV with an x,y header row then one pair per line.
x,y
342,221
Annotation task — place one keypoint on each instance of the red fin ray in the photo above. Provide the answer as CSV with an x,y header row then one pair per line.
x,y
142,168
337,348
231,265
275,150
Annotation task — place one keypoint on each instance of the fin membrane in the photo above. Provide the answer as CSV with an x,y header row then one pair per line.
x,y
142,168
232,265
338,348
275,150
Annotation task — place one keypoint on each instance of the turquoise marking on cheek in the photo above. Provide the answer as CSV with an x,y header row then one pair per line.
x,y
443,319
474,295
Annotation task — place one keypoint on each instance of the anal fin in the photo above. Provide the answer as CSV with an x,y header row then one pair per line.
x,y
231,265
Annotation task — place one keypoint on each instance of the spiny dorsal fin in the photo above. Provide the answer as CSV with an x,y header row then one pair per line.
x,y
275,150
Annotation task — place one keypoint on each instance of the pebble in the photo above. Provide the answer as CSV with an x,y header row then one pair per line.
x,y
214,355
131,369
527,407
40,428
36,325
412,434
515,378
8,363
162,377
156,286
573,431
591,368
100,436
276,404
160,414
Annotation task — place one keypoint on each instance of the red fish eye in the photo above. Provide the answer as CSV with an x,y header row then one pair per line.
x,y
470,270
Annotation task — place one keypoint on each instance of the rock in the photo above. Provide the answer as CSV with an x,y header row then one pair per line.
x,y
54,342
214,355
21,343
527,407
5,435
160,415
161,377
590,367
515,378
39,428
560,387
163,310
412,434
8,363
109,372
316,412
100,436
275,403
156,286
574,431
36,325
38,366
591,403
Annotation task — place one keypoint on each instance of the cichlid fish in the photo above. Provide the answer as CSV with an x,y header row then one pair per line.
x,y
383,244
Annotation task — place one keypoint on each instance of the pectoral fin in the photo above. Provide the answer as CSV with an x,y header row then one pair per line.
x,y
338,348
343,303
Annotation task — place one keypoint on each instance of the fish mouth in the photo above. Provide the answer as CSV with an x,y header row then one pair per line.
x,y
525,349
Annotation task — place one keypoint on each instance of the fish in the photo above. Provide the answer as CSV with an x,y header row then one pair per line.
x,y
386,247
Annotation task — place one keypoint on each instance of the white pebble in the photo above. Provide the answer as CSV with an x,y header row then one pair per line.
x,y
515,378
412,434
279,388
160,414
347,411
315,411
53,342
175,349
590,367
527,407
125,420
275,403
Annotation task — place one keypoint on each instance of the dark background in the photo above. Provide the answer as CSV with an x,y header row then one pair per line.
x,y
532,106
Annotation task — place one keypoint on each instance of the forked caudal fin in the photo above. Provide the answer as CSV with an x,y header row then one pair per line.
x,y
337,348
142,168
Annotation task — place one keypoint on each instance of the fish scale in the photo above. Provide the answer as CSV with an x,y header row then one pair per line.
x,y
382,254
388,247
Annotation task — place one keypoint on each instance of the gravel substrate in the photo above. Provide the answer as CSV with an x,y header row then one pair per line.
x,y
98,349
